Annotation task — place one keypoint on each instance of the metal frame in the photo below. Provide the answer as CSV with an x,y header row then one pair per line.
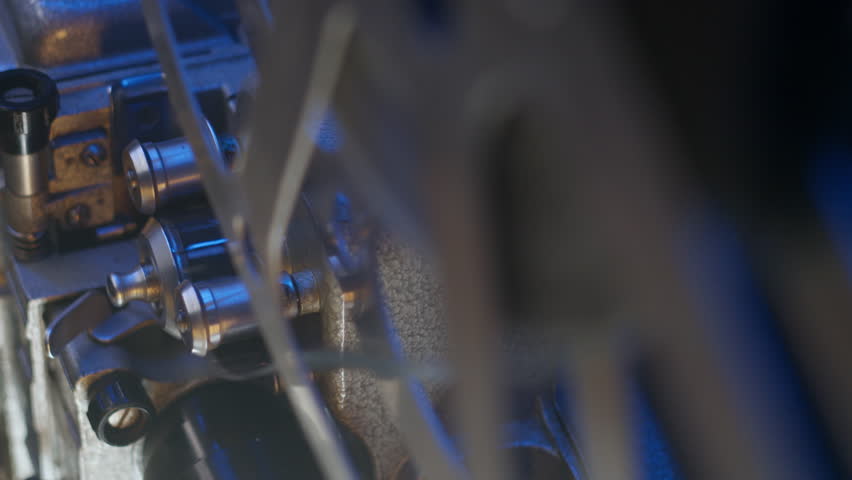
x,y
231,206
608,115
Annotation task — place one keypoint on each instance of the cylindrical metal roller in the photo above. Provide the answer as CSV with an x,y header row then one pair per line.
x,y
158,173
29,102
215,312
171,250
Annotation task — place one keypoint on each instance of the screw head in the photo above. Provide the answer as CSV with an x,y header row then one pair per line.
x,y
78,215
93,154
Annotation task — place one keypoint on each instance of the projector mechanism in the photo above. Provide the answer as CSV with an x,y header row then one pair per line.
x,y
132,348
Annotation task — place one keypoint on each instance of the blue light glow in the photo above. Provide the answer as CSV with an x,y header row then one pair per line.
x,y
327,134
755,358
85,6
207,244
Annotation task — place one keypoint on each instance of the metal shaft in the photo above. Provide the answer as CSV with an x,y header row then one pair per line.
x,y
216,312
159,173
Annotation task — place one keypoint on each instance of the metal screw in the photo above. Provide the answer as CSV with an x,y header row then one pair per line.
x,y
93,155
78,215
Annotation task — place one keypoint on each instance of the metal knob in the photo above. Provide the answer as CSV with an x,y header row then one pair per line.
x,y
139,284
119,408
172,248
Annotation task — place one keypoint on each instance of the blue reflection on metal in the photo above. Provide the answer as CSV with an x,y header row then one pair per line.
x,y
653,448
755,357
654,451
209,243
327,134
219,458
528,433
200,423
82,6
141,80
209,17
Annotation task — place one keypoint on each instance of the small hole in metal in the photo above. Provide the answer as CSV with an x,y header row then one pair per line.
x,y
126,418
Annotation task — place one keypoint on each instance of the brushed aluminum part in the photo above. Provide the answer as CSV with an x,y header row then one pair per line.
x,y
26,174
414,301
158,173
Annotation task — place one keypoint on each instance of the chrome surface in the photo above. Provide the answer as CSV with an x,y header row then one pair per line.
x,y
228,202
138,284
462,240
35,286
26,174
140,177
160,173
154,274
153,279
211,313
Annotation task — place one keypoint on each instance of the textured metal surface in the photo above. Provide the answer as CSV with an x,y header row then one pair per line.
x,y
23,463
33,286
53,437
39,284
312,59
415,304
98,460
54,32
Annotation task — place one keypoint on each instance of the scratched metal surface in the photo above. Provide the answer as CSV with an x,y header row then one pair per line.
x,y
414,300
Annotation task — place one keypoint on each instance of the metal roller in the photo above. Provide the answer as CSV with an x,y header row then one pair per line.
x,y
215,312
172,249
159,173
